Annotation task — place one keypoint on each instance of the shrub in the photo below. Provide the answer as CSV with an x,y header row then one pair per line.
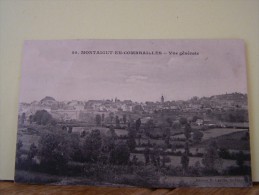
x,y
53,153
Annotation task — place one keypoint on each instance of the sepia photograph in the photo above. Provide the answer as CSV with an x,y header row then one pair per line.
x,y
146,113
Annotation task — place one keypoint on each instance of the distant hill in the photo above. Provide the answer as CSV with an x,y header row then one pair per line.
x,y
231,96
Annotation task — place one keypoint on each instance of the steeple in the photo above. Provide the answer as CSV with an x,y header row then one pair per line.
x,y
162,99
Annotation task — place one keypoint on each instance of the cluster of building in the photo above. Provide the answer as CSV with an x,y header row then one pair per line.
x,y
79,110
76,110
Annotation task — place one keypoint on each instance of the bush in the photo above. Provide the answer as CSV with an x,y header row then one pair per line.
x,y
120,155
42,117
53,153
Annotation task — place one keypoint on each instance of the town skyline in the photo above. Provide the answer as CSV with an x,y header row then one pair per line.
x,y
114,98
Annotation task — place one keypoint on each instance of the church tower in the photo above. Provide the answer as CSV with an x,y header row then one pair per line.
x,y
162,99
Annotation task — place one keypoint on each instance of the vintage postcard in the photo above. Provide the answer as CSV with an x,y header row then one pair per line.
x,y
149,113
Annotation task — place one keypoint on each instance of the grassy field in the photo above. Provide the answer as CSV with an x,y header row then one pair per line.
x,y
121,132
213,133
158,142
232,141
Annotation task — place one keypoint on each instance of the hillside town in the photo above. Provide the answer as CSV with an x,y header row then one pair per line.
x,y
85,111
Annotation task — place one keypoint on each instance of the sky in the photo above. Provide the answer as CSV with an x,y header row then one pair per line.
x,y
50,69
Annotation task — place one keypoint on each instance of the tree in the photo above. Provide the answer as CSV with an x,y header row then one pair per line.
x,y
186,148
53,152
170,122
185,156
70,129
185,162
211,159
83,133
164,157
146,154
31,119
117,120
131,143
120,155
108,142
139,138
183,121
149,126
98,119
74,147
32,152
197,136
42,117
92,146
124,118
176,125
198,168
187,131
138,123
103,117
113,133
167,136
111,115
187,134
131,138
155,156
